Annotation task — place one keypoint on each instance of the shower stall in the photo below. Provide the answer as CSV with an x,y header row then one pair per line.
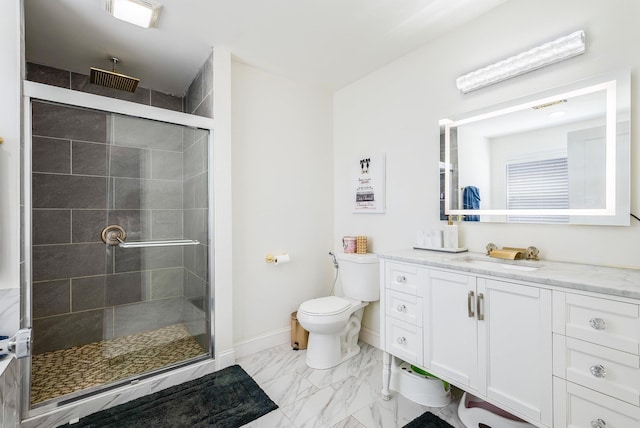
x,y
117,243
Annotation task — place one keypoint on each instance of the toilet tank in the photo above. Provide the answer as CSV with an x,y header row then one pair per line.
x,y
360,276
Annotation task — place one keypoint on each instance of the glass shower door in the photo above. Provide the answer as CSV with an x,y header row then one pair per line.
x,y
111,312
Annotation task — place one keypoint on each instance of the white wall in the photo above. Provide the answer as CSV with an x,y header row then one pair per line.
x,y
10,106
282,201
222,197
396,110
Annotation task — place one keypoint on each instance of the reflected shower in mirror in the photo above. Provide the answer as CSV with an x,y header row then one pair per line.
x,y
558,157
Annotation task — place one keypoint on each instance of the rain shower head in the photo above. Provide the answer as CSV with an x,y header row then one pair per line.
x,y
111,79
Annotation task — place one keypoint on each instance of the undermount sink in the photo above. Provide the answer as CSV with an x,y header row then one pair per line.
x,y
494,264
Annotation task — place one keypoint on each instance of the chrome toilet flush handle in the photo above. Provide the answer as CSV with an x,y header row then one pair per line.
x,y
597,323
402,340
598,423
402,308
598,371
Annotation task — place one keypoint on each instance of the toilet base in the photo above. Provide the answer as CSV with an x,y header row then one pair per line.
x,y
325,351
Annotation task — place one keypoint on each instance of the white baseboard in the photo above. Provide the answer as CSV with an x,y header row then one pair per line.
x,y
371,337
260,343
280,337
225,359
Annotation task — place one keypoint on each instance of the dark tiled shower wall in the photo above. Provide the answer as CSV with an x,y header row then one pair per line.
x,y
91,170
195,203
199,96
198,101
80,82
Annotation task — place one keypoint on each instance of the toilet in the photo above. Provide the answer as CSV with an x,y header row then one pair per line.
x,y
333,322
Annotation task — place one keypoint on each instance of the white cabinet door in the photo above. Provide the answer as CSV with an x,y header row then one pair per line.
x,y
515,347
450,327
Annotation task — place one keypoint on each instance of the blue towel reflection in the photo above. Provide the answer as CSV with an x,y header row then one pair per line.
x,y
471,201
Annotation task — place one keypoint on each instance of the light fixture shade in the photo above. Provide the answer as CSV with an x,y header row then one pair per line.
x,y
540,56
143,13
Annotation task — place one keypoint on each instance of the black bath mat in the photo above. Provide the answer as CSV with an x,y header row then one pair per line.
x,y
228,398
427,420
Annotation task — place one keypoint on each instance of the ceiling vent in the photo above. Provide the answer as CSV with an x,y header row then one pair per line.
x,y
143,13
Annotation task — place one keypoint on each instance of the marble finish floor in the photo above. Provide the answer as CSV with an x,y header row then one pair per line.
x,y
347,396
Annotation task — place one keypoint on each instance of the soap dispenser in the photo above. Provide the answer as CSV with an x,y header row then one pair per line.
x,y
450,234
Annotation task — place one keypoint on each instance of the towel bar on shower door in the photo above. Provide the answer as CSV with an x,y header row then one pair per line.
x,y
144,244
115,235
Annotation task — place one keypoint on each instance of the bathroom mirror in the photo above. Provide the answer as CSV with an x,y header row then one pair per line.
x,y
561,156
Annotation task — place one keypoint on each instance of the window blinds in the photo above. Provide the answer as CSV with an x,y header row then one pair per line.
x,y
538,184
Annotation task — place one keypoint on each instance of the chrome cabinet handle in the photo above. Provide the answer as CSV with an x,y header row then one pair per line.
x,y
598,423
480,307
402,308
598,371
402,340
470,304
401,279
597,323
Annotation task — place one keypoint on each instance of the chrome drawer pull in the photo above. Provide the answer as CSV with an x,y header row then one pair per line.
x,y
598,371
402,340
470,304
402,308
480,308
597,323
598,423
401,279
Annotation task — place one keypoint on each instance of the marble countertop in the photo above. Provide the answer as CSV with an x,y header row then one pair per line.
x,y
598,279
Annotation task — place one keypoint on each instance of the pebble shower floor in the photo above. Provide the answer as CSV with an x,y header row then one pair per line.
x,y
66,371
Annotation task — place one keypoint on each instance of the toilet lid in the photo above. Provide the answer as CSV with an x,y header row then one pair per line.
x,y
330,305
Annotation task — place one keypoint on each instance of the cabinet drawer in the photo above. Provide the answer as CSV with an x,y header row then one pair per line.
x,y
605,322
404,340
405,307
585,408
606,370
404,278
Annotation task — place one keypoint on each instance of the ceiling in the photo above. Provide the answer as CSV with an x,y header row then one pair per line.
x,y
326,43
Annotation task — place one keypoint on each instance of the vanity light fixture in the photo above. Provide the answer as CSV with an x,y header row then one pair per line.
x,y
546,54
143,13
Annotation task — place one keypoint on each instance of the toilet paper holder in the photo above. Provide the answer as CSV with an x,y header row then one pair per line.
x,y
282,258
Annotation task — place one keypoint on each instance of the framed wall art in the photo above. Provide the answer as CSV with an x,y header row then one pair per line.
x,y
369,184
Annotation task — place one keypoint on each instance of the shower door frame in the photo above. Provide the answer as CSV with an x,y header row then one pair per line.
x,y
33,91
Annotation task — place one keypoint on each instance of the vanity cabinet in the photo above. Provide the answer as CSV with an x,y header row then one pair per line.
x,y
596,363
492,338
558,347
487,336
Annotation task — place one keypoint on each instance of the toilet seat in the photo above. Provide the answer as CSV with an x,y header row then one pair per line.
x,y
325,306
